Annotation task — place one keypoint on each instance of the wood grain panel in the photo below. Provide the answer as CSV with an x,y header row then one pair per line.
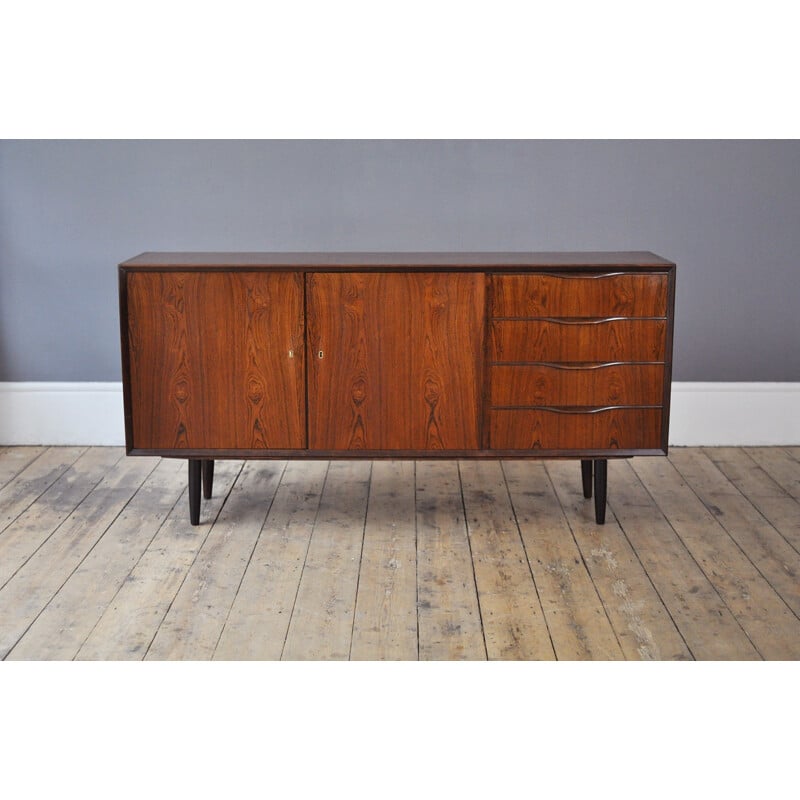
x,y
210,363
401,360
613,429
600,295
541,385
613,340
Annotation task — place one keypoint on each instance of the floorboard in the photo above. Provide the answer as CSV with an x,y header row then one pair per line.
x,y
20,493
385,625
768,551
766,619
194,622
37,581
708,627
400,560
769,497
59,632
513,621
131,621
643,626
14,459
449,615
578,624
256,626
321,626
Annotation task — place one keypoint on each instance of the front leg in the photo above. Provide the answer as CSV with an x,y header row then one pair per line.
x,y
600,487
586,476
208,477
194,490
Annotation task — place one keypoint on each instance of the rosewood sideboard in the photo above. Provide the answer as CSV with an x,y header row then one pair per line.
x,y
396,355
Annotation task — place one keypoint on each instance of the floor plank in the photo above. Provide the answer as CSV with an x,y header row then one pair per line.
x,y
769,552
643,626
445,560
577,621
709,629
194,622
385,626
322,622
513,622
449,616
780,466
33,527
64,625
768,621
131,621
14,459
33,481
774,503
34,585
259,617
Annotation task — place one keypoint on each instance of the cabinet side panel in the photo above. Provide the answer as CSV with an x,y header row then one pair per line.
x,y
216,360
394,360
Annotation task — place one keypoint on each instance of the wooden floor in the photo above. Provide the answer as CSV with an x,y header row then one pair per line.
x,y
699,559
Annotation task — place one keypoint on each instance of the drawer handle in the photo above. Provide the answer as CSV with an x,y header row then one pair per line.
x,y
578,320
572,409
577,365
591,277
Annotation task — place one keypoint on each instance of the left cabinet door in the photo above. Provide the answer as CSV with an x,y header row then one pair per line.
x,y
216,360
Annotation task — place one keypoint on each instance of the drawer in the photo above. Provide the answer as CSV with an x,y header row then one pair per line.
x,y
554,385
593,295
608,429
562,341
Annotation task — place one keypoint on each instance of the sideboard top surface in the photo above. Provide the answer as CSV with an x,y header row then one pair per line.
x,y
333,261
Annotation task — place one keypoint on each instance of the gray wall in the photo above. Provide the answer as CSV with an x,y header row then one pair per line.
x,y
728,212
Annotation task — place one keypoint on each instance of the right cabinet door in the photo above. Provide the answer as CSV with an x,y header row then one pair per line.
x,y
577,362
395,360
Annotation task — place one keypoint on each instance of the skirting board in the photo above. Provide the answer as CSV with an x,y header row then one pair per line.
x,y
702,414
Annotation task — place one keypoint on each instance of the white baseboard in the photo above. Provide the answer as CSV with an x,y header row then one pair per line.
x,y
61,414
701,414
735,414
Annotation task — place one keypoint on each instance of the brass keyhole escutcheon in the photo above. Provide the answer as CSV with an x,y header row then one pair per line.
x,y
320,354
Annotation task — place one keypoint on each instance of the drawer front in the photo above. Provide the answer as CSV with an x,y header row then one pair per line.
x,y
597,295
609,429
562,341
553,385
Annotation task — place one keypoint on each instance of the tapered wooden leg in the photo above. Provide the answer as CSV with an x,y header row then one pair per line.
x,y
600,486
208,477
194,490
586,474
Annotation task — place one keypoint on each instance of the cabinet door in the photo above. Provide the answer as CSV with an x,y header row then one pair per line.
x,y
216,360
395,360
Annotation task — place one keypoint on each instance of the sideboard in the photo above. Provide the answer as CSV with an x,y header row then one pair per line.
x,y
397,355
